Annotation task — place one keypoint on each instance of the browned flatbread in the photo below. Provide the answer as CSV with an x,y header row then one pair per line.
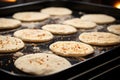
x,y
41,63
30,16
59,29
78,23
6,23
56,11
99,38
10,44
71,48
98,18
114,28
33,35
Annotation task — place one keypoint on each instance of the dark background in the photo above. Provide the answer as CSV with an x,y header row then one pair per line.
x,y
104,2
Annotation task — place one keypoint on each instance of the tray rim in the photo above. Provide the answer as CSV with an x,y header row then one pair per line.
x,y
36,2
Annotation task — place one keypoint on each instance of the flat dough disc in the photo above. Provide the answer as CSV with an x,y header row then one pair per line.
x,y
59,29
41,63
71,48
78,23
30,16
10,44
33,35
114,29
6,23
99,38
56,11
98,18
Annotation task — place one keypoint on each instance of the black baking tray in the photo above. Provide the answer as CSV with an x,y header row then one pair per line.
x,y
7,69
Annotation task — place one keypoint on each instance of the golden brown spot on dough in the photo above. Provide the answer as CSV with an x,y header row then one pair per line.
x,y
63,48
30,61
40,35
27,16
100,37
47,65
58,63
117,28
0,41
38,60
77,46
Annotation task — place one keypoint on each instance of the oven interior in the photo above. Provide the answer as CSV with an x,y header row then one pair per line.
x,y
79,9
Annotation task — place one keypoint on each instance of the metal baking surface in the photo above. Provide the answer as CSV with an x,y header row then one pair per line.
x,y
79,9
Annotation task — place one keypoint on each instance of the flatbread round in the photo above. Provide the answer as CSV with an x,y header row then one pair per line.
x,y
59,29
98,18
78,23
10,44
114,29
33,35
41,63
99,38
6,23
56,11
30,16
71,48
